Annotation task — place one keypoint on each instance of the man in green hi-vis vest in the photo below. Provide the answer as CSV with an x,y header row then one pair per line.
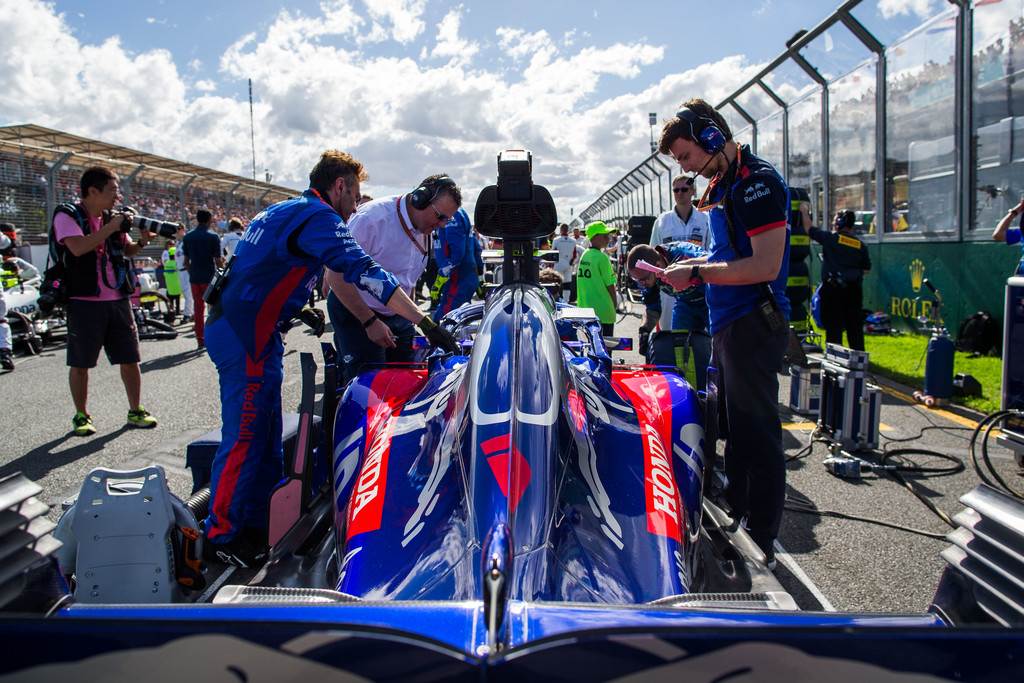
x,y
170,266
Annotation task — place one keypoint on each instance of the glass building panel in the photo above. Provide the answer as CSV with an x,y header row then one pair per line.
x,y
852,142
805,149
742,132
835,52
920,113
890,23
790,82
757,103
998,104
769,140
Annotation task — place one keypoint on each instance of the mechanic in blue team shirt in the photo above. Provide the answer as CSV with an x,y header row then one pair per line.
x,y
459,259
689,309
1004,233
274,268
746,271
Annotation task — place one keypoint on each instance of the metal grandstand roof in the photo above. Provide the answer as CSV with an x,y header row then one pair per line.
x,y
31,136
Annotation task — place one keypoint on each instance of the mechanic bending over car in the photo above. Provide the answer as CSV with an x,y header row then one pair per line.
x,y
745,272
689,309
274,268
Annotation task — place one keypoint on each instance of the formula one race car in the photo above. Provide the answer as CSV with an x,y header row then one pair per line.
x,y
527,508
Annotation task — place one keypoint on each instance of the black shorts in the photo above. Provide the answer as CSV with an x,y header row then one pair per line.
x,y
95,325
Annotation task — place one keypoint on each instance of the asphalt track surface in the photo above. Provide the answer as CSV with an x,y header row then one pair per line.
x,y
826,562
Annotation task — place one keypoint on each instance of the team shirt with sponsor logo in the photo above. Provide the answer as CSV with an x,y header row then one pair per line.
x,y
759,201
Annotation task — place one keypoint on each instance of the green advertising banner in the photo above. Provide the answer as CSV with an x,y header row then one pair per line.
x,y
970,277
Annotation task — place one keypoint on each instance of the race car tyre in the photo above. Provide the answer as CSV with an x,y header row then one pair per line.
x,y
150,328
157,335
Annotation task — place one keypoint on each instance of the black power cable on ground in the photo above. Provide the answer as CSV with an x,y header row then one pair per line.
x,y
987,424
796,503
806,506
897,470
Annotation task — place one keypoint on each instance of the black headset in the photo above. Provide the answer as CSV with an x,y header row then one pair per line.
x,y
845,219
421,197
710,137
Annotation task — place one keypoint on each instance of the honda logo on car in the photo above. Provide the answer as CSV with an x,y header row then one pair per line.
x,y
367,503
662,495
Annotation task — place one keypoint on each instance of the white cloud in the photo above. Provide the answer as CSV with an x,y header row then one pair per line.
x,y
336,80
519,44
449,43
405,17
891,8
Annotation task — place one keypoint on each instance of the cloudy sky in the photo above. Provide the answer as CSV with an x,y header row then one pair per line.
x,y
409,87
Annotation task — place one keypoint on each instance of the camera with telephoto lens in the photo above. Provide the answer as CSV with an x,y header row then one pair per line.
x,y
161,228
51,293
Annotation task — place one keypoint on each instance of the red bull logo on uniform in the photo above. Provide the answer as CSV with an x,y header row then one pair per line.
x,y
249,411
755,191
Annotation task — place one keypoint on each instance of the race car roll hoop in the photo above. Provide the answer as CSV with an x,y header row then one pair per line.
x,y
517,212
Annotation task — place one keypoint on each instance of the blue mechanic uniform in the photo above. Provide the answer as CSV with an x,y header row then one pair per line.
x,y
275,267
689,312
746,352
458,255
1016,236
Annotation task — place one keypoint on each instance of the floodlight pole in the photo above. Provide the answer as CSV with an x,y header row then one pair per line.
x,y
654,120
252,139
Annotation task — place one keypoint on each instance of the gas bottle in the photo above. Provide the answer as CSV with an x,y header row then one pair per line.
x,y
938,367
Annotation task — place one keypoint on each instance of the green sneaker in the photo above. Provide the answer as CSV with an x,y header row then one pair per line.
x,y
82,425
140,418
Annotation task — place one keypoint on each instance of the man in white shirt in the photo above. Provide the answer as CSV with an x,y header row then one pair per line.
x,y
394,232
230,240
582,243
567,253
682,224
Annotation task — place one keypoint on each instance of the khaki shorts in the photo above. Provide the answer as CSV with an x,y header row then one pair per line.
x,y
107,325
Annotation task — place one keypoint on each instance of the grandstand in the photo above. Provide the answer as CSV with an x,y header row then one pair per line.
x,y
40,169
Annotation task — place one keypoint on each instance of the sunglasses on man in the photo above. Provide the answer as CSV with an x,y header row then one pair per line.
x,y
440,216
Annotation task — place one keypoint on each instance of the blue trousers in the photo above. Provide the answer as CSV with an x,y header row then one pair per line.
x,y
355,348
665,351
749,358
250,459
457,291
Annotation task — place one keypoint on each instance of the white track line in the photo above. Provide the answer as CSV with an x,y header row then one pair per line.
x,y
216,585
786,559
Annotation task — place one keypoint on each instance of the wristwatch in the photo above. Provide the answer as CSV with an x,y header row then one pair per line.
x,y
695,278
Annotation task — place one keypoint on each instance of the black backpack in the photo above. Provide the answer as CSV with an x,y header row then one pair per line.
x,y
54,289
978,333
